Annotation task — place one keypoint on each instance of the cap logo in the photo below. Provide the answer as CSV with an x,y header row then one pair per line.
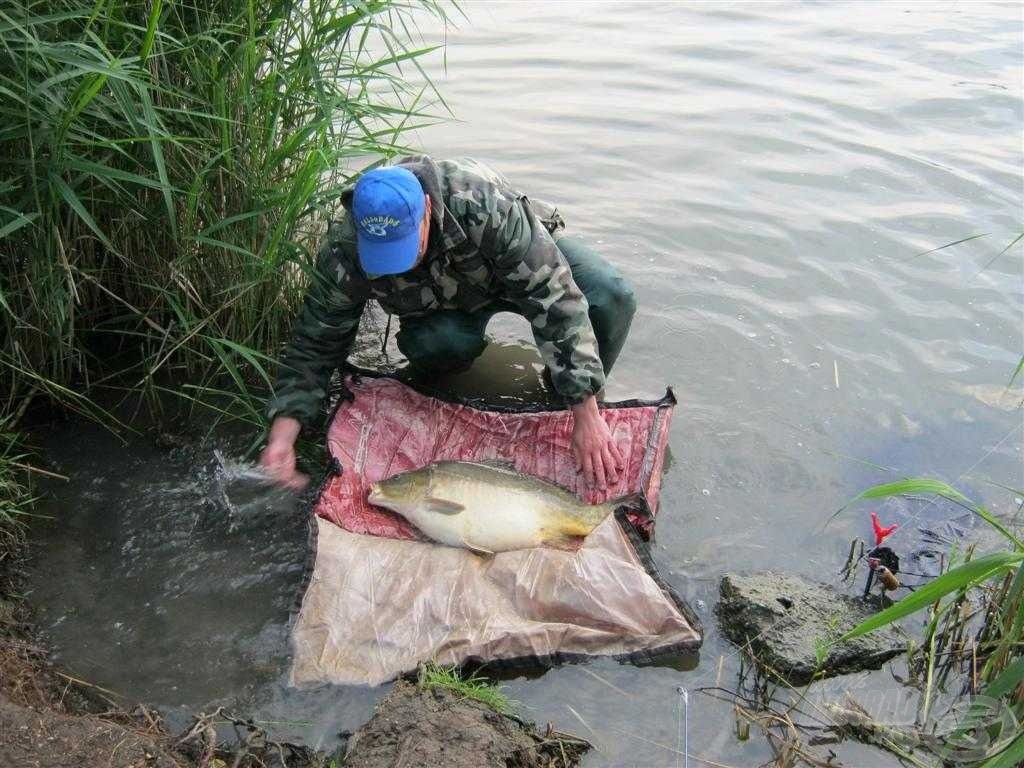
x,y
378,225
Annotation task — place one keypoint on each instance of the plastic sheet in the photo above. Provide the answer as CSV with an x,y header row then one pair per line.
x,y
381,599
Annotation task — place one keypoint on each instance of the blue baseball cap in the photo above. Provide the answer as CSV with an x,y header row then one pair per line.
x,y
388,206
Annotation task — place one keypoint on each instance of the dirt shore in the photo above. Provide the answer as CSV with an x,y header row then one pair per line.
x,y
418,728
49,720
45,738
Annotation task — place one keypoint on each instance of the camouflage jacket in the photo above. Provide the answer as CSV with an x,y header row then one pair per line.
x,y
486,245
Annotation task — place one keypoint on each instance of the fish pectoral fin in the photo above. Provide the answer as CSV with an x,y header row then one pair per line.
x,y
563,541
443,506
559,538
475,548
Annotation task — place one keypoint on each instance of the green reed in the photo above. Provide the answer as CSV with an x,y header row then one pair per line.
x,y
13,493
165,171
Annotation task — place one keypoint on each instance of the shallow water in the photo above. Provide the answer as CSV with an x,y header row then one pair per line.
x,y
766,176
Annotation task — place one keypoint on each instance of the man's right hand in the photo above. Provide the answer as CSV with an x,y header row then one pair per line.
x,y
278,458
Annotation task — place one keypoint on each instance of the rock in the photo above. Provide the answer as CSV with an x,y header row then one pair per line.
x,y
787,618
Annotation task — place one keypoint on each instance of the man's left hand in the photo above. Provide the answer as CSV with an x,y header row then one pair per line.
x,y
597,456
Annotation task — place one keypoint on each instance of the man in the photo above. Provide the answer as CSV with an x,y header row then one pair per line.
x,y
445,245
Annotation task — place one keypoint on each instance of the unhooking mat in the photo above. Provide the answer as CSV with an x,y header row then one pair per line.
x,y
380,599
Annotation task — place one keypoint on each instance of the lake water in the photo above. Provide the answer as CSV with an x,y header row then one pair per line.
x,y
770,177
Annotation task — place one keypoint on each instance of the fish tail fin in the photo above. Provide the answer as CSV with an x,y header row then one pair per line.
x,y
634,502
584,519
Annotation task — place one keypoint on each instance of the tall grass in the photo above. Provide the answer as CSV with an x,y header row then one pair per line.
x,y
165,169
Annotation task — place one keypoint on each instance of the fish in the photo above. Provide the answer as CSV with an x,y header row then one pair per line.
x,y
489,507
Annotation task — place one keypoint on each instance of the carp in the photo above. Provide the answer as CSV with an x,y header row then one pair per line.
x,y
489,507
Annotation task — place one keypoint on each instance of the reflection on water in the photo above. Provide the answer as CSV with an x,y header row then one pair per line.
x,y
509,370
770,177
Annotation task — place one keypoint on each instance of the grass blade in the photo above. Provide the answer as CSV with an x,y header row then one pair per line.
x,y
1011,757
950,245
22,220
1007,681
147,42
68,196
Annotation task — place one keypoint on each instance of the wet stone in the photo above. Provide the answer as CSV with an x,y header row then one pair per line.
x,y
786,619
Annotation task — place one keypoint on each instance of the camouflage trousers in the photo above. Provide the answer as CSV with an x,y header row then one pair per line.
x,y
450,340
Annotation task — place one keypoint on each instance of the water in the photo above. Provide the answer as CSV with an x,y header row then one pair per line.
x,y
765,175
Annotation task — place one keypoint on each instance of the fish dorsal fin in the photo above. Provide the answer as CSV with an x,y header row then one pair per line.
x,y
442,506
504,464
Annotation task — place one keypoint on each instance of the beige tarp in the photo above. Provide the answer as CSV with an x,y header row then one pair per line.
x,y
377,607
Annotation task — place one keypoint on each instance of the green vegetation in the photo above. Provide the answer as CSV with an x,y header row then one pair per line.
x,y
990,589
13,494
823,645
472,687
166,169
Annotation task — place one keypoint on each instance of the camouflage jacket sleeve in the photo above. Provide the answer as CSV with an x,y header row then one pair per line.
x,y
322,338
537,279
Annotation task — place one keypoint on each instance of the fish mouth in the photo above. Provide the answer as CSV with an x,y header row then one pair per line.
x,y
374,496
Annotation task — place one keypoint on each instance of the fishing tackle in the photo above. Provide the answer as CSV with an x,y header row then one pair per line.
x,y
882,560
887,579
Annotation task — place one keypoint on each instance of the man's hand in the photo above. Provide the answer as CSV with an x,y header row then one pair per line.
x,y
597,456
278,458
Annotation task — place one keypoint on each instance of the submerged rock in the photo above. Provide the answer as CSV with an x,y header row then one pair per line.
x,y
786,619
422,729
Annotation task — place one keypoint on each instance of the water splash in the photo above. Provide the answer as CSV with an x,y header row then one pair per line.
x,y
246,492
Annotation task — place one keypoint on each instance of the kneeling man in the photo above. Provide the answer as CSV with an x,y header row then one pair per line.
x,y
446,244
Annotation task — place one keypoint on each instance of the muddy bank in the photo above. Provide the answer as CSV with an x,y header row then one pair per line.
x,y
417,728
51,720
45,738
48,721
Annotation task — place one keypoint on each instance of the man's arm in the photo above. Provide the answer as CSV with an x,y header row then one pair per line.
x,y
537,278
323,335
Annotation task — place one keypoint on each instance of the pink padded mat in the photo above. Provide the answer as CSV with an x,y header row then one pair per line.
x,y
390,428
